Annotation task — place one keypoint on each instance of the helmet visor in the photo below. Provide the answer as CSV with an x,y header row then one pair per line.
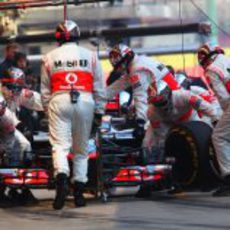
x,y
115,58
201,58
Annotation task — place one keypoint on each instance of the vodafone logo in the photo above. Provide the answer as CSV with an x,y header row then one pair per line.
x,y
71,78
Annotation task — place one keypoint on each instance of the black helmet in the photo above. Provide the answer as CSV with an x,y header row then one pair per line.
x,y
67,31
14,79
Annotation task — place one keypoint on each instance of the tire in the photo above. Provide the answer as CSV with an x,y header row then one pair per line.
x,y
190,145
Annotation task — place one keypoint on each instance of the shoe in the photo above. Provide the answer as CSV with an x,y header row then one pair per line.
x,y
28,197
62,189
79,198
5,201
3,196
15,197
223,190
206,188
145,191
175,190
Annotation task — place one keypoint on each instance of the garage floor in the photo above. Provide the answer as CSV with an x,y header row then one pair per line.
x,y
188,211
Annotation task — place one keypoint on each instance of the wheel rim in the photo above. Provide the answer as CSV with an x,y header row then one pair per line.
x,y
183,148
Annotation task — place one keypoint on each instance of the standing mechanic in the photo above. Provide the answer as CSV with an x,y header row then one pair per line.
x,y
136,72
72,90
217,72
8,121
16,95
13,87
12,142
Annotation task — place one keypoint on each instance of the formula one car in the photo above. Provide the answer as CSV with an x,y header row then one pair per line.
x,y
116,159
119,161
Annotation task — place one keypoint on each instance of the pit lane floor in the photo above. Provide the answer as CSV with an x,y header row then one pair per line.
x,y
193,210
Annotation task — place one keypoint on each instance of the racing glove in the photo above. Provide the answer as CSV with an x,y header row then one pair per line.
x,y
124,108
139,130
214,123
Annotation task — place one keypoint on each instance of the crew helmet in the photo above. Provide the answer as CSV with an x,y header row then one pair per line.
x,y
67,31
14,79
160,95
206,52
120,56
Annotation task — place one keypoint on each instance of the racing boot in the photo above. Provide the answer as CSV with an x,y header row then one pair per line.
x,y
79,198
61,191
224,189
175,189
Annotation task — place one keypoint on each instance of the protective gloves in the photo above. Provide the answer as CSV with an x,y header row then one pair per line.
x,y
214,123
124,108
139,130
96,122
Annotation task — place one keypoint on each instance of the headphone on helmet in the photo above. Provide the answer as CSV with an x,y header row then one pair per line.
x,y
59,35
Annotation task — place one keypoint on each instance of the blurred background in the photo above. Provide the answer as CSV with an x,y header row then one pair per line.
x,y
169,30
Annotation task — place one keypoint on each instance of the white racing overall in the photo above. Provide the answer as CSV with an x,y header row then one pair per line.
x,y
141,72
186,106
65,68
30,100
218,76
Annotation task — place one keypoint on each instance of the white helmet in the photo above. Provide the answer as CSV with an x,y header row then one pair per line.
x,y
162,97
14,79
67,31
120,56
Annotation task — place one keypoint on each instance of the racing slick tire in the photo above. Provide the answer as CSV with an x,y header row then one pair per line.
x,y
195,164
